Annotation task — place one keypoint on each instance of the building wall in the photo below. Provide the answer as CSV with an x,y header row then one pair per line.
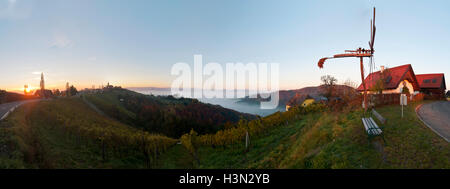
x,y
400,87
434,93
307,102
287,107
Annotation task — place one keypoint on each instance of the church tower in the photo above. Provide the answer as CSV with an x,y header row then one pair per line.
x,y
42,85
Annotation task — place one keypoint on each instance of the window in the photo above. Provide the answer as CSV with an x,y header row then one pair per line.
x,y
426,81
434,80
388,79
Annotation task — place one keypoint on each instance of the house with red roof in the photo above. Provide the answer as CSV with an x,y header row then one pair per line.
x,y
394,80
432,83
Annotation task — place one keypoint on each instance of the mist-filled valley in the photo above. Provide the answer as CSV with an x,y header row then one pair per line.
x,y
231,103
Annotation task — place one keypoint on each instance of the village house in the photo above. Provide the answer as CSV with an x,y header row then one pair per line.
x,y
432,83
395,80
305,100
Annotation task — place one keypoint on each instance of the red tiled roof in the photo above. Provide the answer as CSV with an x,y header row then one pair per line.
x,y
430,80
393,79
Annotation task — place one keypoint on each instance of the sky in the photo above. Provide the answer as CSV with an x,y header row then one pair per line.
x,y
135,43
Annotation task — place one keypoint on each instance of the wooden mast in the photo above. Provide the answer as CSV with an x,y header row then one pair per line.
x,y
363,83
358,53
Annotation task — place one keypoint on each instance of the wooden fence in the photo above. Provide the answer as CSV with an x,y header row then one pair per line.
x,y
385,99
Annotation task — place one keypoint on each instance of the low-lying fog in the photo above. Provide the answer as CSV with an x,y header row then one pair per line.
x,y
224,102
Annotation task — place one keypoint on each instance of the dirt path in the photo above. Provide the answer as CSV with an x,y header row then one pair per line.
x,y
436,116
94,107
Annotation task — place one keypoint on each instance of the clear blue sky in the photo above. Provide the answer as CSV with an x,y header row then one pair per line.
x,y
135,43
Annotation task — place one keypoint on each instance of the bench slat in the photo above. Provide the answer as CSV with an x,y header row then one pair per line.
x,y
365,124
378,116
375,124
371,126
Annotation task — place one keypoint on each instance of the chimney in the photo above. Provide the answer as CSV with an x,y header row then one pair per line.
x,y
382,69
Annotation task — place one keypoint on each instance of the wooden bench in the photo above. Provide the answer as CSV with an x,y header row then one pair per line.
x,y
379,117
372,128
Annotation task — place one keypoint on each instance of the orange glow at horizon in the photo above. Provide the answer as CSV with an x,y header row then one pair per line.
x,y
28,90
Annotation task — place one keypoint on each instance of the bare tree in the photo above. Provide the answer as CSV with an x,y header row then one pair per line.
x,y
328,83
350,83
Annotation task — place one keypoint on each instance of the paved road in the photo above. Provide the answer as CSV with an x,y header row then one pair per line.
x,y
6,107
436,115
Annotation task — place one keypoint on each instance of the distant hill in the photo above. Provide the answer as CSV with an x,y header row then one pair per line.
x,y
286,95
164,114
6,97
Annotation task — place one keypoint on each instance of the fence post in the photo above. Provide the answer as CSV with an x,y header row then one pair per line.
x,y
247,141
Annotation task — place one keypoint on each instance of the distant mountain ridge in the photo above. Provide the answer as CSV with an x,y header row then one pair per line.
x,y
286,95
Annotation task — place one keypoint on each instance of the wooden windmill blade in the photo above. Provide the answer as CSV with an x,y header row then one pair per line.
x,y
372,31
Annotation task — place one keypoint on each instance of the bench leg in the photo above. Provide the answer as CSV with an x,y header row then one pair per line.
x,y
370,137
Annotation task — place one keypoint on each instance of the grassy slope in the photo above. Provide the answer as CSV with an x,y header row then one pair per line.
x,y
109,101
33,137
333,140
328,140
174,116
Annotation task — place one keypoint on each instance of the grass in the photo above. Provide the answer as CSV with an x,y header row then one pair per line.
x,y
412,144
175,158
110,104
34,137
336,140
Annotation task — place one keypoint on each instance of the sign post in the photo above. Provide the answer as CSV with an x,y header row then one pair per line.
x,y
403,101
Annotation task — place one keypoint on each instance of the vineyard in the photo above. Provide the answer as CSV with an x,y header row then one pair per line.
x,y
67,133
170,116
316,137
254,128
70,121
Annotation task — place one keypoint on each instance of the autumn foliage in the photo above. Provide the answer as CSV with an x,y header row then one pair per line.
x,y
165,114
255,127
75,121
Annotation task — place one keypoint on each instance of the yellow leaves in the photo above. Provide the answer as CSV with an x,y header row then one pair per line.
x,y
77,118
256,127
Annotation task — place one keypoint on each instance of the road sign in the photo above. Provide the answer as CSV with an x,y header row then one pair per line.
x,y
403,101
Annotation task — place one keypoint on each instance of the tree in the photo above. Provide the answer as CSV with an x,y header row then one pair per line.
x,y
350,83
56,92
379,86
329,83
73,90
348,93
405,90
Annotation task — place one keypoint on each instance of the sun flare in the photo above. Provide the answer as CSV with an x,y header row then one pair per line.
x,y
28,89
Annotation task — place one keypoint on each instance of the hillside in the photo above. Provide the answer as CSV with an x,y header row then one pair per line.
x,y
325,140
6,97
286,95
66,133
164,114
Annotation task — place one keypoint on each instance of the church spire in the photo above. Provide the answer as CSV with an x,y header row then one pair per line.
x,y
42,85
